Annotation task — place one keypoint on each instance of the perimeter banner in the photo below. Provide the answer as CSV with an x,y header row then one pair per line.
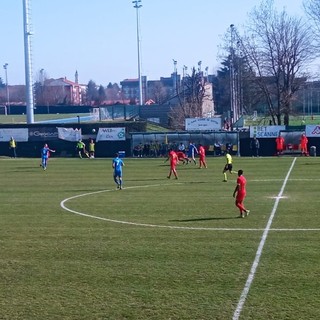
x,y
111,134
43,134
69,134
313,131
203,124
20,135
266,131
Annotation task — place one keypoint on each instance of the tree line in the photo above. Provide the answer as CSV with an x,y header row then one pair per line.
x,y
265,63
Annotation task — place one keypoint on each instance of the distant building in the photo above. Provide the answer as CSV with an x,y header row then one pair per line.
x,y
63,91
156,90
130,90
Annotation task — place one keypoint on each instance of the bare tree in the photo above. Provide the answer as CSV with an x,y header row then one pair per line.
x,y
278,48
158,93
191,96
312,9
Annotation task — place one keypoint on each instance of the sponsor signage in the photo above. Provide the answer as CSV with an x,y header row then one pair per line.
x,y
265,131
203,124
43,134
20,135
313,131
111,134
69,134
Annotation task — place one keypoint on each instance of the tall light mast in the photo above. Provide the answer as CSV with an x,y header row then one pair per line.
x,y
137,6
7,106
27,58
233,93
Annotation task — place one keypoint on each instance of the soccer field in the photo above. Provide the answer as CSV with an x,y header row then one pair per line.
x,y
74,247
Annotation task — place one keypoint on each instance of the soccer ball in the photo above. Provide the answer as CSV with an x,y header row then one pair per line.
x,y
93,130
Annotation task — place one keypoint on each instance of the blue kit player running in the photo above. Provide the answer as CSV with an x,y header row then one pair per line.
x,y
45,154
192,151
117,165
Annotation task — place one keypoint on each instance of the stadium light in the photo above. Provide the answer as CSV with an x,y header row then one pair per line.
x,y
5,67
137,6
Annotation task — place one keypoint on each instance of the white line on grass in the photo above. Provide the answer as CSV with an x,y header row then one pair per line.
x,y
63,206
256,261
270,180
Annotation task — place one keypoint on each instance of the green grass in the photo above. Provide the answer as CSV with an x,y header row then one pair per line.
x,y
156,128
297,120
18,118
185,254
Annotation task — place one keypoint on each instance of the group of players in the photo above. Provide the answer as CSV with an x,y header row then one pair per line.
x,y
117,163
239,192
81,149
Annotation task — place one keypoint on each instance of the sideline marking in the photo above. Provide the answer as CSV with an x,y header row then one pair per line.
x,y
64,207
256,261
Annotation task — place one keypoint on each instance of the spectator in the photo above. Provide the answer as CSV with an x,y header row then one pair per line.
x,y
255,146
13,147
182,147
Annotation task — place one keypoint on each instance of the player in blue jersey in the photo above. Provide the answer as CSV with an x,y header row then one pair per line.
x,y
45,153
117,165
192,151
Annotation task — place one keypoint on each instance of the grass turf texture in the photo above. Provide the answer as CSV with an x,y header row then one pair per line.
x,y
58,265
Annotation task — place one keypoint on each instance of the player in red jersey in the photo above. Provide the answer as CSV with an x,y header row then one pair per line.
x,y
279,144
240,191
202,156
304,145
173,163
182,157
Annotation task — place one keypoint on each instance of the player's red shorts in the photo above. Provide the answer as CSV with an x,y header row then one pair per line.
x,y
240,196
173,164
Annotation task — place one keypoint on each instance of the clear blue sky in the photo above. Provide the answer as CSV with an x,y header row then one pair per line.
x,y
98,37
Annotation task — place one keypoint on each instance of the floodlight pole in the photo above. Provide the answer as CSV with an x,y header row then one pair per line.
x,y
137,6
5,67
233,102
175,76
184,71
28,64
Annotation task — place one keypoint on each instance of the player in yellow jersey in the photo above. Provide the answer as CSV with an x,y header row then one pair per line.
x,y
228,166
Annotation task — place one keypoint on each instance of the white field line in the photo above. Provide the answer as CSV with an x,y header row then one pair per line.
x,y
270,180
64,207
256,261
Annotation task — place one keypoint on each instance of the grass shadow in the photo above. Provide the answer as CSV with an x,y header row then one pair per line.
x,y
203,219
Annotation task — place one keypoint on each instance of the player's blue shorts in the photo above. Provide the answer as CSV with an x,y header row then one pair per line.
x,y
117,173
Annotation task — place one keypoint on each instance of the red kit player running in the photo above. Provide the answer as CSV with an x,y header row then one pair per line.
x,y
173,163
240,191
202,156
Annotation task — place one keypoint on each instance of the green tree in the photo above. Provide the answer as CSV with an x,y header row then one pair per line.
x,y
101,94
312,9
113,92
92,94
